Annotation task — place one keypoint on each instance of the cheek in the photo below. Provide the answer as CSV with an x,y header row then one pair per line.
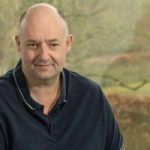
x,y
59,59
62,57
28,58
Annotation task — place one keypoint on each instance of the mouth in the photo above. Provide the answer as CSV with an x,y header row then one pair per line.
x,y
38,65
43,66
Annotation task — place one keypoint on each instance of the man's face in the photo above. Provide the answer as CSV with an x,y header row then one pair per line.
x,y
43,46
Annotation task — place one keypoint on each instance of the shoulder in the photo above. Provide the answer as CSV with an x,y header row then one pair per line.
x,y
6,82
81,86
77,79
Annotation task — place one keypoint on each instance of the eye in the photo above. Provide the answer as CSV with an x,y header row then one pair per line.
x,y
32,46
54,44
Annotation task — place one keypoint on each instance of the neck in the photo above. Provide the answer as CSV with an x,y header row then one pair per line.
x,y
45,92
44,83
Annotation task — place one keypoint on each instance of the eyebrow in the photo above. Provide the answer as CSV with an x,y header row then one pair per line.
x,y
32,41
38,41
53,40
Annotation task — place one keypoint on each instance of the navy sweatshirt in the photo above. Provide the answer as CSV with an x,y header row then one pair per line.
x,y
81,120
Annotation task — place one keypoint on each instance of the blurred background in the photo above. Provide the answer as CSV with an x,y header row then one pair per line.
x,y
111,46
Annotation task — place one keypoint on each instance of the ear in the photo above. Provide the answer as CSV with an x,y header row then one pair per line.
x,y
17,39
69,42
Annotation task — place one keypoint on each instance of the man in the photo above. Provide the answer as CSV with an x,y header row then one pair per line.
x,y
44,106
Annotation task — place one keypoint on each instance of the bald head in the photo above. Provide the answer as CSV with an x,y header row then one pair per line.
x,y
42,11
43,43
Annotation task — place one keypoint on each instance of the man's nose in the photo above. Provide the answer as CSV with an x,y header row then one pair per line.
x,y
44,52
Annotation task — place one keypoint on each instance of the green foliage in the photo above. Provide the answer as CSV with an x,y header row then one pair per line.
x,y
104,31
110,38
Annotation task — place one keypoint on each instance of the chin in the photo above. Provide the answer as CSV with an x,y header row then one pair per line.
x,y
46,76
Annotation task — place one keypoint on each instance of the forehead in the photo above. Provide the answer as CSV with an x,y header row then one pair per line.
x,y
42,27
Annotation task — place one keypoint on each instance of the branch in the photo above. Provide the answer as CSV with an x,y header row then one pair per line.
x,y
91,34
119,82
79,10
